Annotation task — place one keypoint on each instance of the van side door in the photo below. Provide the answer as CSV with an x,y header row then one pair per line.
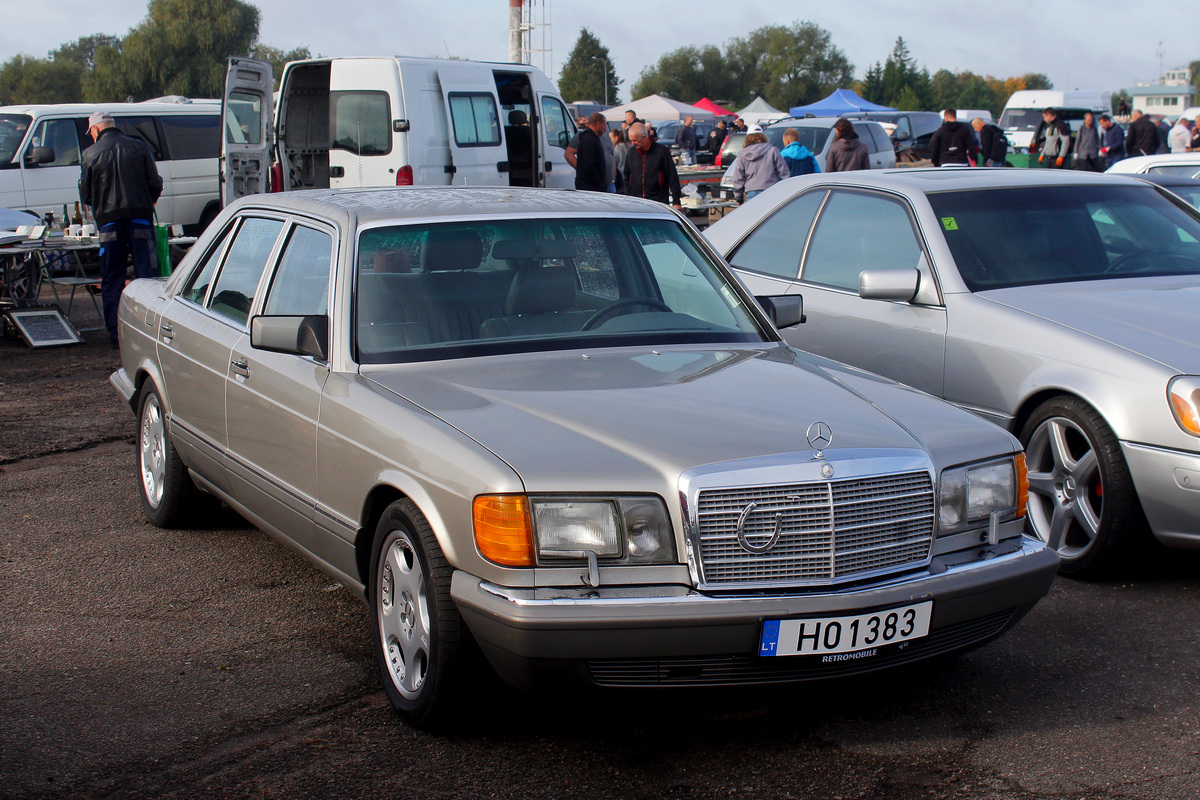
x,y
248,112
477,150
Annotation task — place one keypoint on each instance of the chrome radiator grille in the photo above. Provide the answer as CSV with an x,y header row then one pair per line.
x,y
828,531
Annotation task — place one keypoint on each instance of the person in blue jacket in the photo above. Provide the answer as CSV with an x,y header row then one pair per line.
x,y
799,159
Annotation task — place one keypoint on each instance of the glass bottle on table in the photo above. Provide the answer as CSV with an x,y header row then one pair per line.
x,y
77,217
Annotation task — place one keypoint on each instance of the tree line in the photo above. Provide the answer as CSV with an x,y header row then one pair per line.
x,y
180,48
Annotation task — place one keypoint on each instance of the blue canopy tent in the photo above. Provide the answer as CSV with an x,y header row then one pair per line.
x,y
842,101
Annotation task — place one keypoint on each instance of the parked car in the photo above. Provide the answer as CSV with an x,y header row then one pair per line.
x,y
732,145
1183,164
816,133
667,132
1186,187
913,131
1060,305
554,423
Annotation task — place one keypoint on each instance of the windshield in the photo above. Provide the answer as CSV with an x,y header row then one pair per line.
x,y
1055,234
810,137
12,131
476,288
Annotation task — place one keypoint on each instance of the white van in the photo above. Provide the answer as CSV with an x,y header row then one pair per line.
x,y
1023,112
351,122
40,147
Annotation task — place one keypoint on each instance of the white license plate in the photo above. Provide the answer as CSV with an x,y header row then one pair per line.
x,y
804,637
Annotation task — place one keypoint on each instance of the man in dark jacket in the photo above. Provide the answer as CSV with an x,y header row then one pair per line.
x,y
1113,146
952,144
716,137
649,169
119,182
993,144
1142,137
589,156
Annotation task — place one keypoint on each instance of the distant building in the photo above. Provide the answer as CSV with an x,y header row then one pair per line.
x,y
1168,97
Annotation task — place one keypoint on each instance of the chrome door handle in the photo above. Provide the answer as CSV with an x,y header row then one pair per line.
x,y
168,333
240,368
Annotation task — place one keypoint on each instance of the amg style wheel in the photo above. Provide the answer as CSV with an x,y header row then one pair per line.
x,y
1082,500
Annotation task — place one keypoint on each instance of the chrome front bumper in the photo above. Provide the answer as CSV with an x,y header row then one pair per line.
x,y
518,628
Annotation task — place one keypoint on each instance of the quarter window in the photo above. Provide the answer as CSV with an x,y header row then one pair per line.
x,y
476,123
234,292
361,122
859,231
301,283
776,246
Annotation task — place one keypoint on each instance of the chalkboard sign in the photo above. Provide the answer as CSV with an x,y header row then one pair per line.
x,y
44,327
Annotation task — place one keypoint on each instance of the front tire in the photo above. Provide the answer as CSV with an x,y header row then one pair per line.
x,y
1082,501
166,490
416,629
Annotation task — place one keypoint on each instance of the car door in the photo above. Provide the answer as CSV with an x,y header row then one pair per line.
x,y
49,185
249,119
476,147
197,332
272,399
557,129
856,231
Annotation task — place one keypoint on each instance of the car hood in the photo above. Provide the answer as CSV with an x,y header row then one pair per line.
x,y
616,417
1152,317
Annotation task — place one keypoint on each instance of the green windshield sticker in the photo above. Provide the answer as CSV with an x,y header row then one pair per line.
x,y
949,223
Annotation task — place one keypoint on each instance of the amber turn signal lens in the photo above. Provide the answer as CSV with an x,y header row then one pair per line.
x,y
1022,485
503,532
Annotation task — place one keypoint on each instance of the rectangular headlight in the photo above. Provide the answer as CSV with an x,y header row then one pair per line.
x,y
572,527
970,494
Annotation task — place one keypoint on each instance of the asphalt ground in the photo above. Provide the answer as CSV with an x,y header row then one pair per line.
x,y
212,662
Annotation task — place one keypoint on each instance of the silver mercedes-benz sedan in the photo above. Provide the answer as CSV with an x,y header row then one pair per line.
x,y
553,424
1060,305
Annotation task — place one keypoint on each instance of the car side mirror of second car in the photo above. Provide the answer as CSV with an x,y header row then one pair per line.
x,y
785,310
889,284
301,336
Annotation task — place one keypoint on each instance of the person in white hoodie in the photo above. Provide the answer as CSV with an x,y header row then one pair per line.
x,y
1180,137
758,166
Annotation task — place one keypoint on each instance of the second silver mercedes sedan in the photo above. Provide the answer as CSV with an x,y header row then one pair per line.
x,y
553,425
1060,305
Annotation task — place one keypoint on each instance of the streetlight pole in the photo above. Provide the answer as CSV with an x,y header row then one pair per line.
x,y
603,63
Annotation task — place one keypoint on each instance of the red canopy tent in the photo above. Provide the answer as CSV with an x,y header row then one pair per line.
x,y
709,105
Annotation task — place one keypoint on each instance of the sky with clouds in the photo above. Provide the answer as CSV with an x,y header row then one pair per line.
x,y
1085,44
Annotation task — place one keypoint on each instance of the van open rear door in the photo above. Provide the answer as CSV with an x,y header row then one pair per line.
x,y
477,151
248,114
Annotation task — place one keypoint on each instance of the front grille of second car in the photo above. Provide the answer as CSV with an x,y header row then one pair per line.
x,y
831,531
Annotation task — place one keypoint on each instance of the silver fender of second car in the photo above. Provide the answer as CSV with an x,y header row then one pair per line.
x,y
138,342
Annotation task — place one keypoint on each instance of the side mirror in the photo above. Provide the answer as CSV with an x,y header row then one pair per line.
x,y
889,284
563,139
301,336
785,310
40,155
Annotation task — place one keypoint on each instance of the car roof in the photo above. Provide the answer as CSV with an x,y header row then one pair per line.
x,y
409,203
951,179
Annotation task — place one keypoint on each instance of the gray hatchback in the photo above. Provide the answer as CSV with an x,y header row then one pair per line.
x,y
554,424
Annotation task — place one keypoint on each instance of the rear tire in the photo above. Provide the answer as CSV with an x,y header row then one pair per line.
x,y
1082,501
416,629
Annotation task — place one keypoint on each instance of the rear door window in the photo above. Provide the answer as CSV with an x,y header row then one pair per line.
x,y
361,122
142,128
775,246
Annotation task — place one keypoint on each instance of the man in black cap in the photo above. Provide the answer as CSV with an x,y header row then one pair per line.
x,y
119,182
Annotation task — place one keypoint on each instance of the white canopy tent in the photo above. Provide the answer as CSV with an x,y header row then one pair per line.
x,y
656,108
760,112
